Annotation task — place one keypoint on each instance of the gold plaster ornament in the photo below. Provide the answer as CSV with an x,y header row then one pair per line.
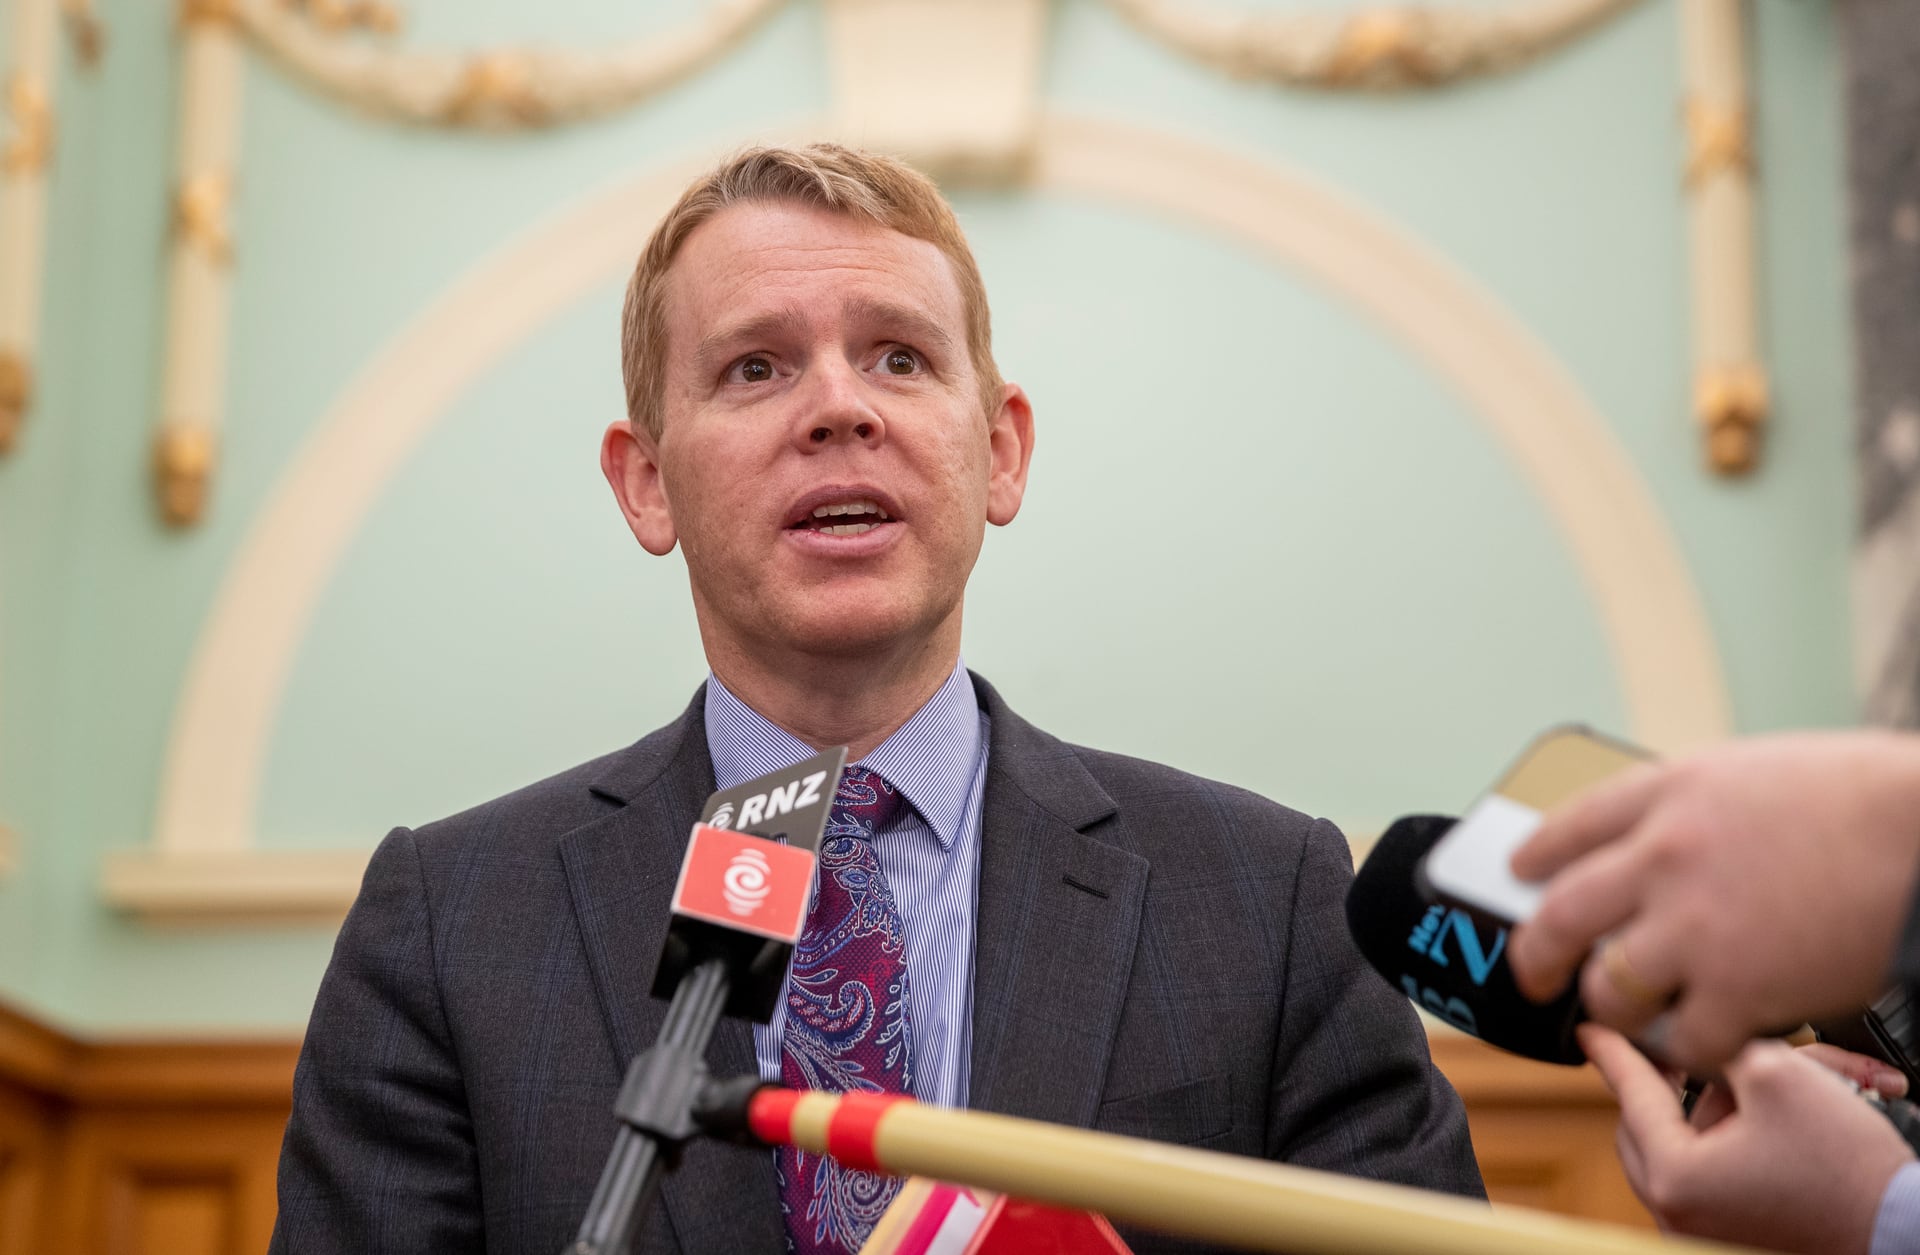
x,y
1718,141
16,391
495,89
1387,48
200,216
29,149
84,28
209,12
504,89
1400,47
1731,403
183,460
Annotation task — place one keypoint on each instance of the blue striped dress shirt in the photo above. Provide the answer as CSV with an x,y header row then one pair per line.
x,y
938,759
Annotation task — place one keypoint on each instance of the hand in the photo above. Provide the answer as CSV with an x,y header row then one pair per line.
x,y
1792,1159
1752,886
1716,1101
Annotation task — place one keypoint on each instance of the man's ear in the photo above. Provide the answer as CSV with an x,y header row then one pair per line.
x,y
1009,450
630,459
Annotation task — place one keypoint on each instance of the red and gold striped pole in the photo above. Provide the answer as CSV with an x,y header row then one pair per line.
x,y
1236,1201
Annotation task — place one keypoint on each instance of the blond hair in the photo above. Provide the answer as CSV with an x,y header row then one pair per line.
x,y
863,186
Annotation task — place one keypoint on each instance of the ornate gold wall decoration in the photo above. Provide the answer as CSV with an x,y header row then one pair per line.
x,y
25,158
506,89
200,213
344,15
16,387
183,462
193,380
84,29
495,90
1731,404
1389,48
29,147
1718,141
207,12
1730,383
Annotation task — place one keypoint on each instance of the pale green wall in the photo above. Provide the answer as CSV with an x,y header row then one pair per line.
x,y
1262,542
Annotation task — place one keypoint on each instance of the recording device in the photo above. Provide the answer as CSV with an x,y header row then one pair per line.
x,y
1448,959
1469,866
746,881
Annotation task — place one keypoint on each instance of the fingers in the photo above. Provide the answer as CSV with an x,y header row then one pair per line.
x,y
1597,816
1715,1104
1694,1035
1585,903
1863,1070
1631,979
1650,1115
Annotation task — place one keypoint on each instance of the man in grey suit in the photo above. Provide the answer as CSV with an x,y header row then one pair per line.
x,y
814,418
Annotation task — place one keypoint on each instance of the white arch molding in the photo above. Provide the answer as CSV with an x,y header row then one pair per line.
x,y
202,859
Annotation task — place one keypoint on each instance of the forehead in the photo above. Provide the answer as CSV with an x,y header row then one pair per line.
x,y
755,257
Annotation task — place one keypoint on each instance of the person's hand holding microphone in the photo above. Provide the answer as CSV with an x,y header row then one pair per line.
x,y
1714,898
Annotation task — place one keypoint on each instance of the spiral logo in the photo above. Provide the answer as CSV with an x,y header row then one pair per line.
x,y
744,885
722,818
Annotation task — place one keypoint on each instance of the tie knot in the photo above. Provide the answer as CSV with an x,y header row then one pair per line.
x,y
865,802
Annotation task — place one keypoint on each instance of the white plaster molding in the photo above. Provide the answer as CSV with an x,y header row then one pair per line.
x,y
241,887
239,669
950,85
502,89
1730,383
1384,48
193,382
25,158
1655,627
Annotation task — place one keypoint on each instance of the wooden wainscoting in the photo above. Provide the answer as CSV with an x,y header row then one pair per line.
x,y
132,1147
1543,1134
138,1147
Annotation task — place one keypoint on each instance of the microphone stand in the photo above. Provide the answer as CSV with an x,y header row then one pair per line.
x,y
655,1107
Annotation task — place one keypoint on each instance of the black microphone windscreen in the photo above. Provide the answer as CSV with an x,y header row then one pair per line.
x,y
1446,960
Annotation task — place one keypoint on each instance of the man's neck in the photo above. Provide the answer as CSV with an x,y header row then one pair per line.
x,y
857,702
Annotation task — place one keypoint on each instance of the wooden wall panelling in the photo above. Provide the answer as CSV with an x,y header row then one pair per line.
x,y
171,1181
26,1169
138,1147
170,1147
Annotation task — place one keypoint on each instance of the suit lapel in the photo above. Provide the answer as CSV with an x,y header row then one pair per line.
x,y
620,874
1059,918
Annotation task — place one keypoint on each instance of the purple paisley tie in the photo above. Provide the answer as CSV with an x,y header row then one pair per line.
x,y
847,1027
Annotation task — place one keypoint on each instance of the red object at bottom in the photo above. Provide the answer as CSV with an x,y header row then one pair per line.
x,y
1013,1227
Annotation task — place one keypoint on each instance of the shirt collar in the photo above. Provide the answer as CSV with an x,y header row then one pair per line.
x,y
931,758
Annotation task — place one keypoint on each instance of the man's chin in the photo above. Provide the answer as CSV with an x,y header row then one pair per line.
x,y
859,631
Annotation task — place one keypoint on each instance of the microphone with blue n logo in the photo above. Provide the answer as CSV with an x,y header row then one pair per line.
x,y
1445,960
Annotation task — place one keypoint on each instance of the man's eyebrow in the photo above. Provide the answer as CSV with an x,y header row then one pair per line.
x,y
774,324
919,327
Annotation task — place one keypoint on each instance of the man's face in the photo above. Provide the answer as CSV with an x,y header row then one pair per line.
x,y
823,459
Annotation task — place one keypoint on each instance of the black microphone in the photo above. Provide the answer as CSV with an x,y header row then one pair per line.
x,y
746,878
1445,959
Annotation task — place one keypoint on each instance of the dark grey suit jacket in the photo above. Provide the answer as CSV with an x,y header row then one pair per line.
x,y
1157,955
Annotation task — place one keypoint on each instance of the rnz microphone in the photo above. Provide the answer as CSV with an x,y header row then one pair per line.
x,y
746,881
1446,960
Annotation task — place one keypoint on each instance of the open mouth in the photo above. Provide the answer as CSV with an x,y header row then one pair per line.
x,y
844,518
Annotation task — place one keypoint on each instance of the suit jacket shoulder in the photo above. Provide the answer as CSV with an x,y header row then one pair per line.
x,y
1187,940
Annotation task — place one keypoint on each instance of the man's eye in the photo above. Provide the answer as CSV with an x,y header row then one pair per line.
x,y
752,370
901,362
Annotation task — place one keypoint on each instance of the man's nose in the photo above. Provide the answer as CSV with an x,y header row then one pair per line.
x,y
838,407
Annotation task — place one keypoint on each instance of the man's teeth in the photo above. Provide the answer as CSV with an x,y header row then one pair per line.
x,y
849,507
867,511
